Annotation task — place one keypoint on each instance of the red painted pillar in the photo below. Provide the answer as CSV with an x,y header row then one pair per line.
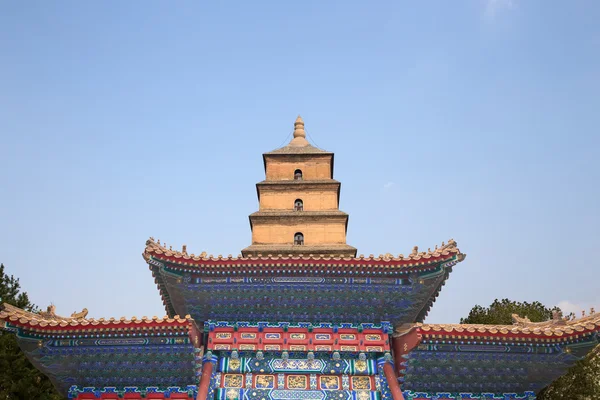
x,y
404,344
392,381
398,345
205,380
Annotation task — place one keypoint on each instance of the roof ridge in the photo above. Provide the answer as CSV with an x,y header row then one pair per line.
x,y
553,327
155,247
13,314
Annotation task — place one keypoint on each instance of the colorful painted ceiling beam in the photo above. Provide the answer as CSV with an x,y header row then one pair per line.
x,y
298,339
322,377
107,358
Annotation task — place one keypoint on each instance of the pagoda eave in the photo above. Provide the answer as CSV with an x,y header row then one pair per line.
x,y
298,217
294,184
257,250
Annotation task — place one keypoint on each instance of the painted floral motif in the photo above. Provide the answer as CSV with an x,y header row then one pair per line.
x,y
361,382
265,381
330,382
360,366
223,335
296,382
272,335
232,380
234,364
233,394
363,395
248,335
297,336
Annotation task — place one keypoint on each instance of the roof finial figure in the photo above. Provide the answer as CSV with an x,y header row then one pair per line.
x,y
299,134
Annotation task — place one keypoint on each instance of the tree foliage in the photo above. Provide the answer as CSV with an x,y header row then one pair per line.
x,y
19,379
500,312
581,382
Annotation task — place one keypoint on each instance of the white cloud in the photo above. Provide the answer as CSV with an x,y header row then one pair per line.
x,y
493,7
568,307
388,186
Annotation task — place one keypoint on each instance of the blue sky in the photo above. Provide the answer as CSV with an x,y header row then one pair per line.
x,y
475,120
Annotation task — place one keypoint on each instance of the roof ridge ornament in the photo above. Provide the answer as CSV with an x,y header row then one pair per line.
x,y
80,315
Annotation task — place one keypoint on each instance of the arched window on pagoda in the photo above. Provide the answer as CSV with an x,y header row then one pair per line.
x,y
299,239
298,175
298,205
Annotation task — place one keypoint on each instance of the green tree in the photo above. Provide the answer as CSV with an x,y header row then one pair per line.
x,y
500,312
582,380
19,379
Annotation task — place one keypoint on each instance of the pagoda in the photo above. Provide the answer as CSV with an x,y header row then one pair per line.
x,y
299,204
298,315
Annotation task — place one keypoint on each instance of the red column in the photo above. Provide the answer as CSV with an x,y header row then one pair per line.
x,y
205,380
404,344
392,381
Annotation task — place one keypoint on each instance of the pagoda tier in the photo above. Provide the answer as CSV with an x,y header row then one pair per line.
x,y
271,223
153,358
296,288
325,191
521,358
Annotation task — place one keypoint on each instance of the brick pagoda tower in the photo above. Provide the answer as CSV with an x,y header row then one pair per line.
x,y
299,203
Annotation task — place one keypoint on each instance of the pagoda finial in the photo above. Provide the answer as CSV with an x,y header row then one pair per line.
x,y
299,128
299,134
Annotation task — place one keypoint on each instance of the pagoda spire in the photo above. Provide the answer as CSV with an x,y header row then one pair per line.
x,y
299,128
299,134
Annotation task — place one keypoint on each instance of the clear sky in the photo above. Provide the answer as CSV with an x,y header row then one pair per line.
x,y
475,120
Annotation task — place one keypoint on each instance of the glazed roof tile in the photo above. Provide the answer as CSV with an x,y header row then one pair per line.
x,y
557,327
155,248
48,319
